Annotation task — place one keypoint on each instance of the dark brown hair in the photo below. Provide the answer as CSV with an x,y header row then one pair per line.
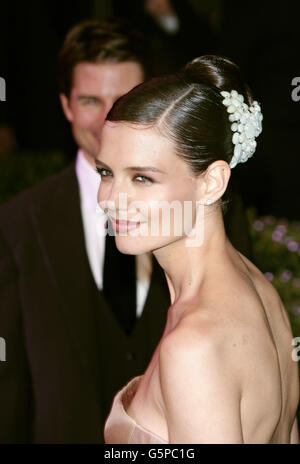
x,y
97,42
187,107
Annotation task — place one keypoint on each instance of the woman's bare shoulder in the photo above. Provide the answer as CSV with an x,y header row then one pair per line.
x,y
199,392
228,331
198,335
195,345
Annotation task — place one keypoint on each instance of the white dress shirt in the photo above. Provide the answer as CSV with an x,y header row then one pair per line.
x,y
94,232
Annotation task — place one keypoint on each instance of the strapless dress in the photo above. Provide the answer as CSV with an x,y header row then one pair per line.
x,y
120,428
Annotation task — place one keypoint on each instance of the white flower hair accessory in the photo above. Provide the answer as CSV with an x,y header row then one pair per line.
x,y
246,125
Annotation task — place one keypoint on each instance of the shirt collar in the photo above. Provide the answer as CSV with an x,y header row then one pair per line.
x,y
89,181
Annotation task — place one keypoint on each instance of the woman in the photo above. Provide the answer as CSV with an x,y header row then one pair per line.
x,y
223,371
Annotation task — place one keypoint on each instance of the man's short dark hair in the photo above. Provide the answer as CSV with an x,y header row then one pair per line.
x,y
97,42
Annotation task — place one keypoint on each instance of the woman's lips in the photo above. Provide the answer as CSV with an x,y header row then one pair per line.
x,y
121,225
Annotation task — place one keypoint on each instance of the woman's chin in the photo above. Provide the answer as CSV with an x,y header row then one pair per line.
x,y
130,246
140,245
137,245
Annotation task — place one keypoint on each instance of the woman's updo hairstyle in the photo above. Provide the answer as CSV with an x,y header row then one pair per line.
x,y
187,107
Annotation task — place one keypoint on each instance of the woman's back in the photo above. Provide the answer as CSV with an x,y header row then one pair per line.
x,y
274,366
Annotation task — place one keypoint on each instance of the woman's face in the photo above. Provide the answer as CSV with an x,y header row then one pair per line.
x,y
144,187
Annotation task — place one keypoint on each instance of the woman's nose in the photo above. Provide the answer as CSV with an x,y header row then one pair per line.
x,y
113,195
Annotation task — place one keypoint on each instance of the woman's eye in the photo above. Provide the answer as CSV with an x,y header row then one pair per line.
x,y
104,172
144,180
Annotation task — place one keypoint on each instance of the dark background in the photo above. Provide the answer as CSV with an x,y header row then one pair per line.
x,y
260,36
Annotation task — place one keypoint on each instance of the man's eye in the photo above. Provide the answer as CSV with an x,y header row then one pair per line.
x,y
90,101
144,180
104,172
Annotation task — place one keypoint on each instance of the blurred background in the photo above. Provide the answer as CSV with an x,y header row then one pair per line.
x,y
260,36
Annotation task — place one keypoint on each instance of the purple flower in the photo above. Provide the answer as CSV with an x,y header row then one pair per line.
x,y
269,276
258,225
285,276
281,228
277,235
292,245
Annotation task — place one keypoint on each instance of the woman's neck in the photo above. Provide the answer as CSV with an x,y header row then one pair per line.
x,y
187,266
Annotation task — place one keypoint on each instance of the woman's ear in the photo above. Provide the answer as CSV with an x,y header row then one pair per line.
x,y
214,181
65,106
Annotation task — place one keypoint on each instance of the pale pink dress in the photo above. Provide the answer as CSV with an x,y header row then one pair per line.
x,y
119,427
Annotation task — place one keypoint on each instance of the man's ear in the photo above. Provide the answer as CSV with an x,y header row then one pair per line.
x,y
65,106
214,181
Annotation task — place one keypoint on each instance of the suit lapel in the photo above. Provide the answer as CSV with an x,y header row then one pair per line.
x,y
58,225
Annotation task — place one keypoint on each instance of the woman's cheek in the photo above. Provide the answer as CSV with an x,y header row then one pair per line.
x,y
102,192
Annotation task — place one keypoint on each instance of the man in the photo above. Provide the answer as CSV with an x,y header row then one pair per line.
x,y
64,316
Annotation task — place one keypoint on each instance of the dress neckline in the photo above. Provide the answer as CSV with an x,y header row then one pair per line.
x,y
130,389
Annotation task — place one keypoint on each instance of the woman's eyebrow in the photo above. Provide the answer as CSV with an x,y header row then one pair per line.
x,y
145,168
100,163
131,168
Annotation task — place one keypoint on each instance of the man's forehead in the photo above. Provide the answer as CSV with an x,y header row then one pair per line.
x,y
106,77
106,68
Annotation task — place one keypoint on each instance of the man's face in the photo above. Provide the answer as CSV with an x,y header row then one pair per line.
x,y
95,89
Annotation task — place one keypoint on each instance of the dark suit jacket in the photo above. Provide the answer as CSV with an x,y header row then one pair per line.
x,y
66,356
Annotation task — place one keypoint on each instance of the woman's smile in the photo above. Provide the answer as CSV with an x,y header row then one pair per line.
x,y
121,225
